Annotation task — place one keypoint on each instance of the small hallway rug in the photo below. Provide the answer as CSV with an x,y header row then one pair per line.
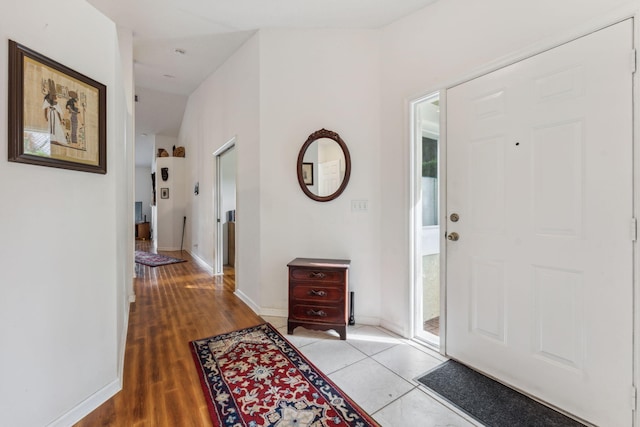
x,y
488,401
254,377
155,260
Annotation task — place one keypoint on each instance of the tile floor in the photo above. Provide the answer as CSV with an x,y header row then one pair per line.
x,y
377,369
433,326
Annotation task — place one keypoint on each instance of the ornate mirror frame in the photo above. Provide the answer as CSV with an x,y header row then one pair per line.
x,y
324,133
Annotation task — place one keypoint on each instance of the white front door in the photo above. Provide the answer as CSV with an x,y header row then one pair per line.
x,y
539,171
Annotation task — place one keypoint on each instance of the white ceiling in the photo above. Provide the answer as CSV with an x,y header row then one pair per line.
x,y
209,32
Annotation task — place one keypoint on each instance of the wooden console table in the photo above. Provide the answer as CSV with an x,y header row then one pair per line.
x,y
318,294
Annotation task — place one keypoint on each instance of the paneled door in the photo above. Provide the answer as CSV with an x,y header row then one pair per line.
x,y
328,177
539,174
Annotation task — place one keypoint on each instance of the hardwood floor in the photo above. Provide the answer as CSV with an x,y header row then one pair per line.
x,y
174,304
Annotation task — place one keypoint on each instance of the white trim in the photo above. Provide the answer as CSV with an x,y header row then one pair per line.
x,y
123,342
202,263
225,147
274,312
429,133
415,220
368,320
218,255
244,298
442,165
636,204
169,248
414,196
217,206
408,330
395,328
88,405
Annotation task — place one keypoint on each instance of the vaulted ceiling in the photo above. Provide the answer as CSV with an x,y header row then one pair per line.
x,y
178,43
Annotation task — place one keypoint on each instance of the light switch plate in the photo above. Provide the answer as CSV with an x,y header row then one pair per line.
x,y
359,205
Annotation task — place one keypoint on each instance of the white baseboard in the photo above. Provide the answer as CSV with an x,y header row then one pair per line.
x,y
367,320
123,338
252,305
107,392
88,405
396,329
202,263
275,312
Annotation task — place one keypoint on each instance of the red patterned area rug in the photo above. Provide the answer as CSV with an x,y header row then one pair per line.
x,y
154,260
254,377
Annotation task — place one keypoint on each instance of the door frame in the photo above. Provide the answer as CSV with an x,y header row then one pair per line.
x,y
628,11
415,170
218,237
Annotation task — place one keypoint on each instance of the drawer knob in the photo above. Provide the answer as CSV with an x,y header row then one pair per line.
x,y
318,313
317,275
317,293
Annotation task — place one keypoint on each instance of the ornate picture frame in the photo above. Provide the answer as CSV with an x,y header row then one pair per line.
x,y
57,116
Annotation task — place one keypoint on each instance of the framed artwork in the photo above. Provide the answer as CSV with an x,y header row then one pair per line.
x,y
164,193
57,116
307,173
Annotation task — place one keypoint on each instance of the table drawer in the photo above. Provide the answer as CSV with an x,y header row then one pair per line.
x,y
319,294
317,313
319,275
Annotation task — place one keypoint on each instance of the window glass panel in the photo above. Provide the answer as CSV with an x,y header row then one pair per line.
x,y
429,182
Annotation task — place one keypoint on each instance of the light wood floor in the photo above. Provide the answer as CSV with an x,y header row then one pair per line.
x,y
174,304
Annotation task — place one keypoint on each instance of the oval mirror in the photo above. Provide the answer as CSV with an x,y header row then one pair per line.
x,y
324,166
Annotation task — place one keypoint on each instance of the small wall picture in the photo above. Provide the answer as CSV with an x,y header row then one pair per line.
x,y
307,173
164,193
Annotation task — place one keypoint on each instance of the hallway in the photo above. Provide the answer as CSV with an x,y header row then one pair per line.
x,y
181,302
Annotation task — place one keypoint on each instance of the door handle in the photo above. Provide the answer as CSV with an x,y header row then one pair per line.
x,y
453,236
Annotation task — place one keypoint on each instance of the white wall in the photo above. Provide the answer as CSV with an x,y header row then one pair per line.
x,y
122,122
284,84
311,80
421,53
224,106
145,148
337,89
170,212
154,121
166,142
163,230
62,310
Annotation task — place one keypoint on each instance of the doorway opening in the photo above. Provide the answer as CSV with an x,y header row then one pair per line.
x,y
225,206
426,218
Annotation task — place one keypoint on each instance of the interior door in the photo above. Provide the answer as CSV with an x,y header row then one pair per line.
x,y
539,172
329,177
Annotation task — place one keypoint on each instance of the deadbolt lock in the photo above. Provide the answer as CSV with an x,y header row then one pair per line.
x,y
453,236
454,217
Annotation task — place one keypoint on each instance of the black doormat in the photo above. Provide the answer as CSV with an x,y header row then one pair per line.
x,y
488,401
